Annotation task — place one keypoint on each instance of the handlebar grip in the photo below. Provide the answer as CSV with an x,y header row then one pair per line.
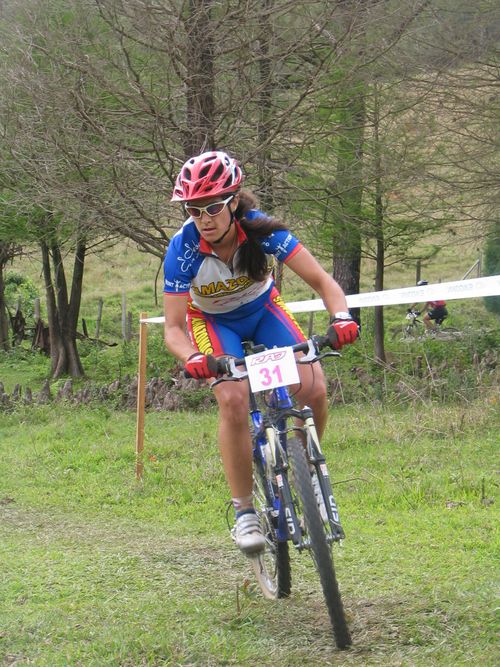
x,y
222,366
332,337
213,367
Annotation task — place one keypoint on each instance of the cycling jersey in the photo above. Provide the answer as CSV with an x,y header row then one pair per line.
x,y
435,304
192,267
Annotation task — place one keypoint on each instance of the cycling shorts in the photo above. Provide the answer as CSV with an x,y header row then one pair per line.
x,y
439,313
271,324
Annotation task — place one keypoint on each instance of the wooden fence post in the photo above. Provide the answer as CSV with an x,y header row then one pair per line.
x,y
141,395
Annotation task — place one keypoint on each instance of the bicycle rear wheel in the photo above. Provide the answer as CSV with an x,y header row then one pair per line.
x,y
448,333
319,546
272,566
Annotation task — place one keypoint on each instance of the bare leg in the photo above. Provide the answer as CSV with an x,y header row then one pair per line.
x,y
235,445
313,394
234,437
429,324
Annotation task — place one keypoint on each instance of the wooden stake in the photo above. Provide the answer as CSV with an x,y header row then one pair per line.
x,y
141,395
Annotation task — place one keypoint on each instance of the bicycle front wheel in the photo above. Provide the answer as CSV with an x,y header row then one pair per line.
x,y
320,549
411,332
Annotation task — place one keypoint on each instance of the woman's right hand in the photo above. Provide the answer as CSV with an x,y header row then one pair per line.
x,y
200,366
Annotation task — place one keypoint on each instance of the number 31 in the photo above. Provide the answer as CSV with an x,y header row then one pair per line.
x,y
266,373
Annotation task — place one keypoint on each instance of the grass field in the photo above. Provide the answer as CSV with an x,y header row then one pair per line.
x,y
100,570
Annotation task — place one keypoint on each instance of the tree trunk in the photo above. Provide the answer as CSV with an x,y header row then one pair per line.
x,y
349,192
379,233
266,88
62,314
200,80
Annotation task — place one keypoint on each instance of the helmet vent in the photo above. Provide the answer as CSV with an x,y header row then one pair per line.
x,y
218,172
204,171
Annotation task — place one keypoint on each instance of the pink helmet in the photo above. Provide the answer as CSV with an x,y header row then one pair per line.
x,y
206,175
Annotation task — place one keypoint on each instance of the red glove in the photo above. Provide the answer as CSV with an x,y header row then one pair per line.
x,y
200,366
342,332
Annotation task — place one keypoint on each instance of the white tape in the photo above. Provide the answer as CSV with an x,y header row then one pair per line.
x,y
459,289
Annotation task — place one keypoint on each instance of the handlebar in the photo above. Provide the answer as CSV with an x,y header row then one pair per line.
x,y
312,347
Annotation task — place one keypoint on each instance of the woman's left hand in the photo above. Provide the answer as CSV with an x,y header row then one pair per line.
x,y
342,332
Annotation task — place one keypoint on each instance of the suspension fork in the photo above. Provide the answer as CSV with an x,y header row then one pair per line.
x,y
317,459
289,525
267,452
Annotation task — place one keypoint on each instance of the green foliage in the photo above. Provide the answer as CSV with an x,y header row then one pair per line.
x,y
492,264
20,289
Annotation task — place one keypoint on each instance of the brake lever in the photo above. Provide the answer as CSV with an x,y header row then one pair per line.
x,y
311,354
317,357
233,373
225,379
332,353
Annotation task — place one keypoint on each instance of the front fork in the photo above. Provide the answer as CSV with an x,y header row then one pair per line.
x,y
317,459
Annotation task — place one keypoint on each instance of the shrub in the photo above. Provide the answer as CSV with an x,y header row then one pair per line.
x,y
19,289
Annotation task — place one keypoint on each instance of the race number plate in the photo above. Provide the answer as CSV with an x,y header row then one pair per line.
x,y
272,368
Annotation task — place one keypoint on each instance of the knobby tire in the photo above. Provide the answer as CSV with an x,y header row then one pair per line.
x,y
320,548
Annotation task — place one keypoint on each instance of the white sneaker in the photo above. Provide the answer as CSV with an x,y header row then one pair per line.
x,y
247,533
319,496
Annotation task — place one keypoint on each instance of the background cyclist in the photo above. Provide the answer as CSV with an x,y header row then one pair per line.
x,y
218,281
436,311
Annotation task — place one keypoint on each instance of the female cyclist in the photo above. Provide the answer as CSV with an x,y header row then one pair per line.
x,y
436,311
218,281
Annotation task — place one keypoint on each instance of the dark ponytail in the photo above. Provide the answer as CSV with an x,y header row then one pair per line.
x,y
251,259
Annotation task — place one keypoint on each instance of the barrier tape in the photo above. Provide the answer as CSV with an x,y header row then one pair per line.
x,y
459,289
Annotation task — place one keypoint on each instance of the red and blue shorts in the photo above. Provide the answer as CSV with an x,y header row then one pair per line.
x,y
268,322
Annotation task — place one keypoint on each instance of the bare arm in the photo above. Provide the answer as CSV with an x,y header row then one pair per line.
x,y
312,273
422,307
176,338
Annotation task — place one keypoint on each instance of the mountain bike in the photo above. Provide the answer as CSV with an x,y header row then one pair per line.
x,y
414,329
292,490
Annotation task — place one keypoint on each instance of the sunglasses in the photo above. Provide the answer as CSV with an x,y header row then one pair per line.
x,y
211,210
